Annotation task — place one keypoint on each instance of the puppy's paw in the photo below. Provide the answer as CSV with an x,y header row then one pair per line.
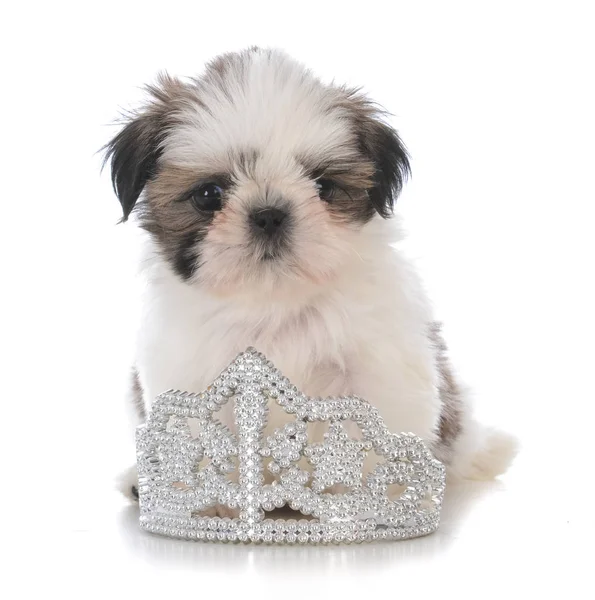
x,y
127,483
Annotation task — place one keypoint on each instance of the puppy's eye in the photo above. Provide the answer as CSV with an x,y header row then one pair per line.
x,y
207,197
326,189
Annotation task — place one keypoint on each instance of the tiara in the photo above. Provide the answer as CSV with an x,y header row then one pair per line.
x,y
188,462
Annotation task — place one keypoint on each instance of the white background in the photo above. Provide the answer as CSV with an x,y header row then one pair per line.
x,y
495,101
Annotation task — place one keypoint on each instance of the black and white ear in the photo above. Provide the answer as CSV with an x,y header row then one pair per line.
x,y
133,155
381,144
389,155
134,152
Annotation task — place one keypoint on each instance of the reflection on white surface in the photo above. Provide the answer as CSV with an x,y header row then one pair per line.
x,y
500,534
159,551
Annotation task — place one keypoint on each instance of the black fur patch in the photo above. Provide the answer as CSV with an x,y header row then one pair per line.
x,y
185,260
382,145
137,394
451,417
133,156
134,152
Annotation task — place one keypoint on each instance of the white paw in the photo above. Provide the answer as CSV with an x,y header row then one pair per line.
x,y
495,456
127,483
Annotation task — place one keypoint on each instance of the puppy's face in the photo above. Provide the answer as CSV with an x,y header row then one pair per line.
x,y
256,175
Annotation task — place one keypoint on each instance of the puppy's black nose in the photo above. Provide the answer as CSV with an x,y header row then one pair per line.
x,y
268,220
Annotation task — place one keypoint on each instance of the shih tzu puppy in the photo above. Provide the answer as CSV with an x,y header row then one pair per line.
x,y
265,196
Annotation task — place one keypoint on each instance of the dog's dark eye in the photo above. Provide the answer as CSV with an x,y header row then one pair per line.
x,y
207,197
326,189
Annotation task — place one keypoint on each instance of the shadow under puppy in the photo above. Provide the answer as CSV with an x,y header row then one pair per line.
x,y
265,195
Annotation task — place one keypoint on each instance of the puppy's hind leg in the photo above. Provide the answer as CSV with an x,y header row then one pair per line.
x,y
127,481
470,450
481,453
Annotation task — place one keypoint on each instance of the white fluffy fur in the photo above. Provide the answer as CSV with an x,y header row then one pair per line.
x,y
347,315
363,334
273,103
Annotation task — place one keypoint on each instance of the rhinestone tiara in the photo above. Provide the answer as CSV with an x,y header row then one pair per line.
x,y
186,463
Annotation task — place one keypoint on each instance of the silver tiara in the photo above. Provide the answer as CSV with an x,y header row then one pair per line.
x,y
188,462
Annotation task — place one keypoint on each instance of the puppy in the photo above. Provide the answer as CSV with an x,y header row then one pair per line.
x,y
265,195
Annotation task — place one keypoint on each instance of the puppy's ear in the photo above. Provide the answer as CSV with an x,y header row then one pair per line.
x,y
133,157
133,153
389,155
383,147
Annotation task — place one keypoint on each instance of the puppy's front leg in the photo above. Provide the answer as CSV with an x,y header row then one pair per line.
x,y
127,481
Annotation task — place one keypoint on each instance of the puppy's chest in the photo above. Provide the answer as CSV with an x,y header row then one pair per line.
x,y
187,350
